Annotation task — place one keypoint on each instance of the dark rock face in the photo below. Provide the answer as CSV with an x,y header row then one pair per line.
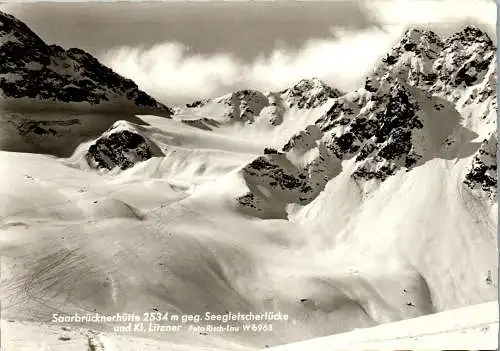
x,y
381,139
29,68
344,145
303,140
340,114
264,167
281,180
270,151
247,104
400,112
197,103
202,123
120,147
483,172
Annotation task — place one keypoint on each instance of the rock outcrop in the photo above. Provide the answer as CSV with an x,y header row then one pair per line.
x,y
122,146
31,69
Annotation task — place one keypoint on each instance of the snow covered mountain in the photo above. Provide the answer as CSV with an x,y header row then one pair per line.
x,y
342,210
410,111
250,106
53,99
32,71
248,110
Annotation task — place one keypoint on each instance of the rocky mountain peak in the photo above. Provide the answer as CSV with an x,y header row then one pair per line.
x,y
422,43
482,173
242,105
121,147
464,62
310,84
309,93
407,114
444,67
469,35
249,106
422,37
31,69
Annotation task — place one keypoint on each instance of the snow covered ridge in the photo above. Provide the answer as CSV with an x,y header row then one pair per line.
x,y
425,60
423,101
30,69
468,328
121,146
248,105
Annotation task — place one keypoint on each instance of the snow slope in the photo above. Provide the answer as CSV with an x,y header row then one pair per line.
x,y
472,327
466,328
343,211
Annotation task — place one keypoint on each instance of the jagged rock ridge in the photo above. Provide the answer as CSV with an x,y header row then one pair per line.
x,y
244,105
384,127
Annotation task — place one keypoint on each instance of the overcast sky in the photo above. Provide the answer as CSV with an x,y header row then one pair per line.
x,y
183,51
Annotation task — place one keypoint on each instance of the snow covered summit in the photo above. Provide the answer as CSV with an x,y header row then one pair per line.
x,y
252,106
444,66
427,99
309,93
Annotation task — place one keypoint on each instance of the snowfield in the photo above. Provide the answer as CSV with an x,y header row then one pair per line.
x,y
371,215
74,240
466,328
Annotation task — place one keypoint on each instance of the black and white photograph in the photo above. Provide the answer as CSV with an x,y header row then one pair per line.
x,y
248,175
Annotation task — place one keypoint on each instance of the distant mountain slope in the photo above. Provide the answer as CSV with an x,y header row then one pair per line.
x,y
251,106
467,328
32,71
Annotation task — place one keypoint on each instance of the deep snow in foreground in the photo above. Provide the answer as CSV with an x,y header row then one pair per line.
x,y
466,328
340,210
74,240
